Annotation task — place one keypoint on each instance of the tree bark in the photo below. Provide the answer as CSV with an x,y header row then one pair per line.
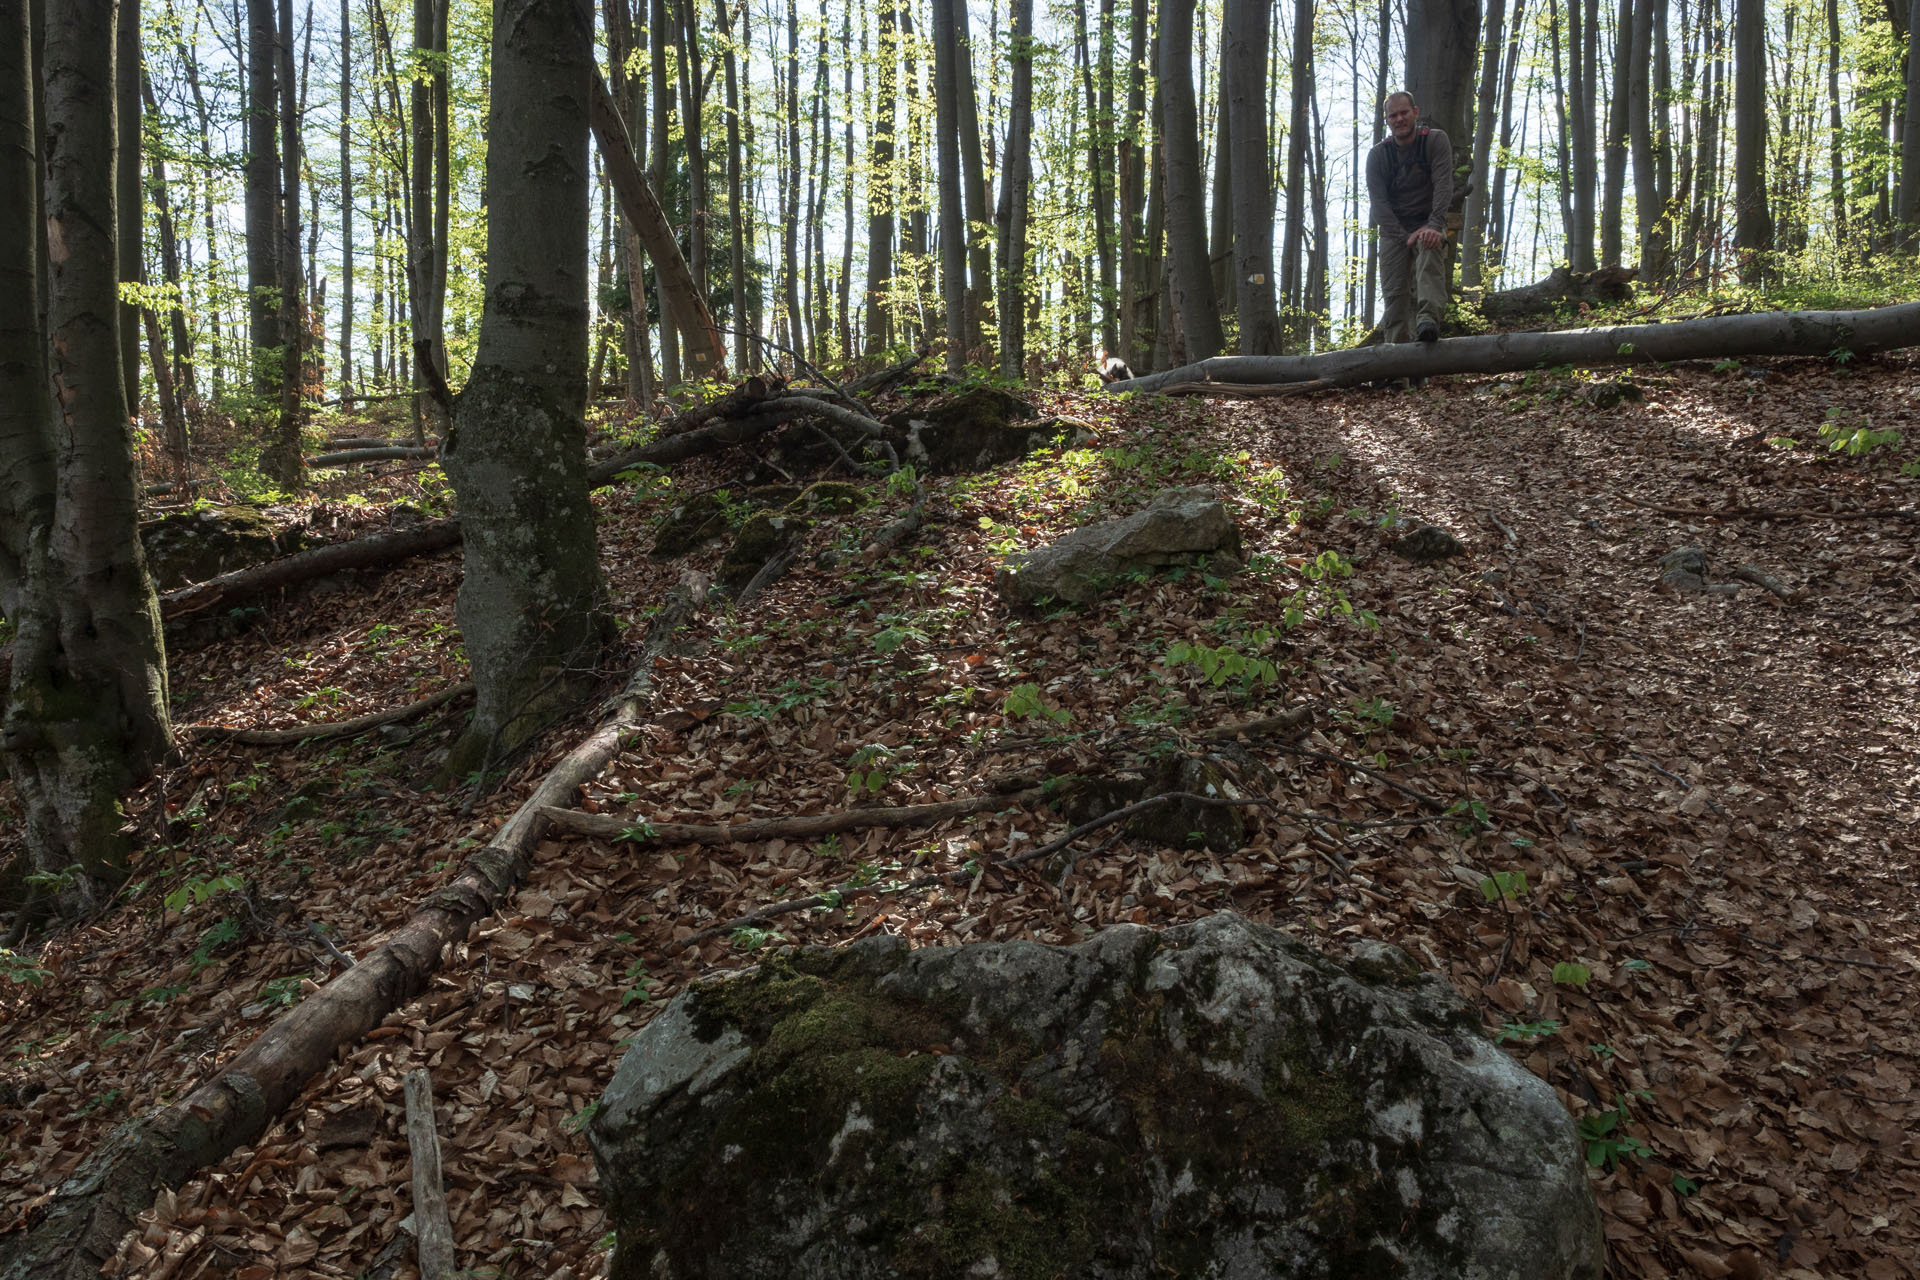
x,y
707,363
262,197
1134,158
1583,46
1098,175
282,461
1016,179
881,184
1907,209
1767,333
1473,231
1752,225
1246,36
1186,225
130,233
346,199
658,38
953,228
1442,38
86,718
736,209
1640,134
975,187
529,606
1614,194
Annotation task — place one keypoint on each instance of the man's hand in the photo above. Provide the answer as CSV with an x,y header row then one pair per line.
x,y
1425,238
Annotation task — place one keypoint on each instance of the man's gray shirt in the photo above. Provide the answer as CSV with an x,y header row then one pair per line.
x,y
1402,199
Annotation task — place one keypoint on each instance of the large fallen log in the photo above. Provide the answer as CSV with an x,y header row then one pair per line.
x,y
88,1214
1767,333
230,589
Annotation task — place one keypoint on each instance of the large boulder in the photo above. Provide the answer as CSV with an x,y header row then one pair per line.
x,y
1187,526
1215,1100
973,429
192,546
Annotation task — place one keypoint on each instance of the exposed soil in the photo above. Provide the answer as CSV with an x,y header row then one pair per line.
x,y
1714,799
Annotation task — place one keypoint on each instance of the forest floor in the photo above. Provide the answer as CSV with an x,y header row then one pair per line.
x,y
1714,799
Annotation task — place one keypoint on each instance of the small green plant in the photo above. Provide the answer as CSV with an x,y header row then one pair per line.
x,y
197,889
1509,886
1526,1030
1572,973
901,483
217,935
1369,714
55,882
282,993
1855,438
1606,1138
1473,816
1024,702
638,832
1218,666
1727,366
19,969
873,767
749,938
642,985
583,1117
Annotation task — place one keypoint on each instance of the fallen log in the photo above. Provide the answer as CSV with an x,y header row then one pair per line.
x,y
333,729
373,453
87,1215
613,826
230,589
1769,333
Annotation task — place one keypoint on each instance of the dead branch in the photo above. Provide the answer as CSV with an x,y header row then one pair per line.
x,y
431,1229
337,729
610,826
1773,513
89,1213
878,381
373,453
234,588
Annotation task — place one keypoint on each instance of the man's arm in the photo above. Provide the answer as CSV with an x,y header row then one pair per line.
x,y
1440,158
1379,211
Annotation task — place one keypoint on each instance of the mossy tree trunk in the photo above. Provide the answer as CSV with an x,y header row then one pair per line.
x,y
529,607
86,716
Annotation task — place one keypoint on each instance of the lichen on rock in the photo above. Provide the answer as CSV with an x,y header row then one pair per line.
x,y
1214,1100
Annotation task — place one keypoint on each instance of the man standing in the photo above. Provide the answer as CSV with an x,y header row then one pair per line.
x,y
1409,186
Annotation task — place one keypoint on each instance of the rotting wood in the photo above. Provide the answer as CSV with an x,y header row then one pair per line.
x,y
432,1230
87,1215
230,589
1771,333
336,729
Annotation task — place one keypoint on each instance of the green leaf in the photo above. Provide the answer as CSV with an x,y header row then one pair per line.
x,y
1572,973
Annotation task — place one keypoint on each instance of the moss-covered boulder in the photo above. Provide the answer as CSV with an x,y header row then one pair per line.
x,y
691,525
192,546
764,536
1215,1100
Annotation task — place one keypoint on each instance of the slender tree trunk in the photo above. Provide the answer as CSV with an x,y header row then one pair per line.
x,y
1640,132
127,182
1753,225
27,482
736,210
790,243
659,36
1220,226
1247,31
1017,177
1583,44
346,199
87,712
284,461
974,186
1098,175
1186,228
529,605
1473,232
1563,169
1384,30
953,231
844,299
262,195
1317,303
182,368
1133,162
881,184
702,361
1836,133
1614,194
1442,38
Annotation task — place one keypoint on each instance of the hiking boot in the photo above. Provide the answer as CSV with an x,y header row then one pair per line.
x,y
1428,333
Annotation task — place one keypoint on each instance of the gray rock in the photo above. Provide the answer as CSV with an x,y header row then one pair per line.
x,y
1179,527
1428,544
1216,1100
192,546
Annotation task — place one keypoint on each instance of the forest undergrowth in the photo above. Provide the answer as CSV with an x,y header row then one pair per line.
x,y
1666,841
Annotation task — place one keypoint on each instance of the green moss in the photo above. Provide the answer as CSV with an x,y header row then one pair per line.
x,y
1036,1231
760,539
695,521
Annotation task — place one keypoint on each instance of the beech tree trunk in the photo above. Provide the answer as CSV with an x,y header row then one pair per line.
x,y
1752,224
1247,32
1907,208
881,183
1186,221
974,185
346,200
1766,333
283,461
262,197
1016,179
1134,158
1098,176
1614,193
1473,231
86,717
529,605
953,228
